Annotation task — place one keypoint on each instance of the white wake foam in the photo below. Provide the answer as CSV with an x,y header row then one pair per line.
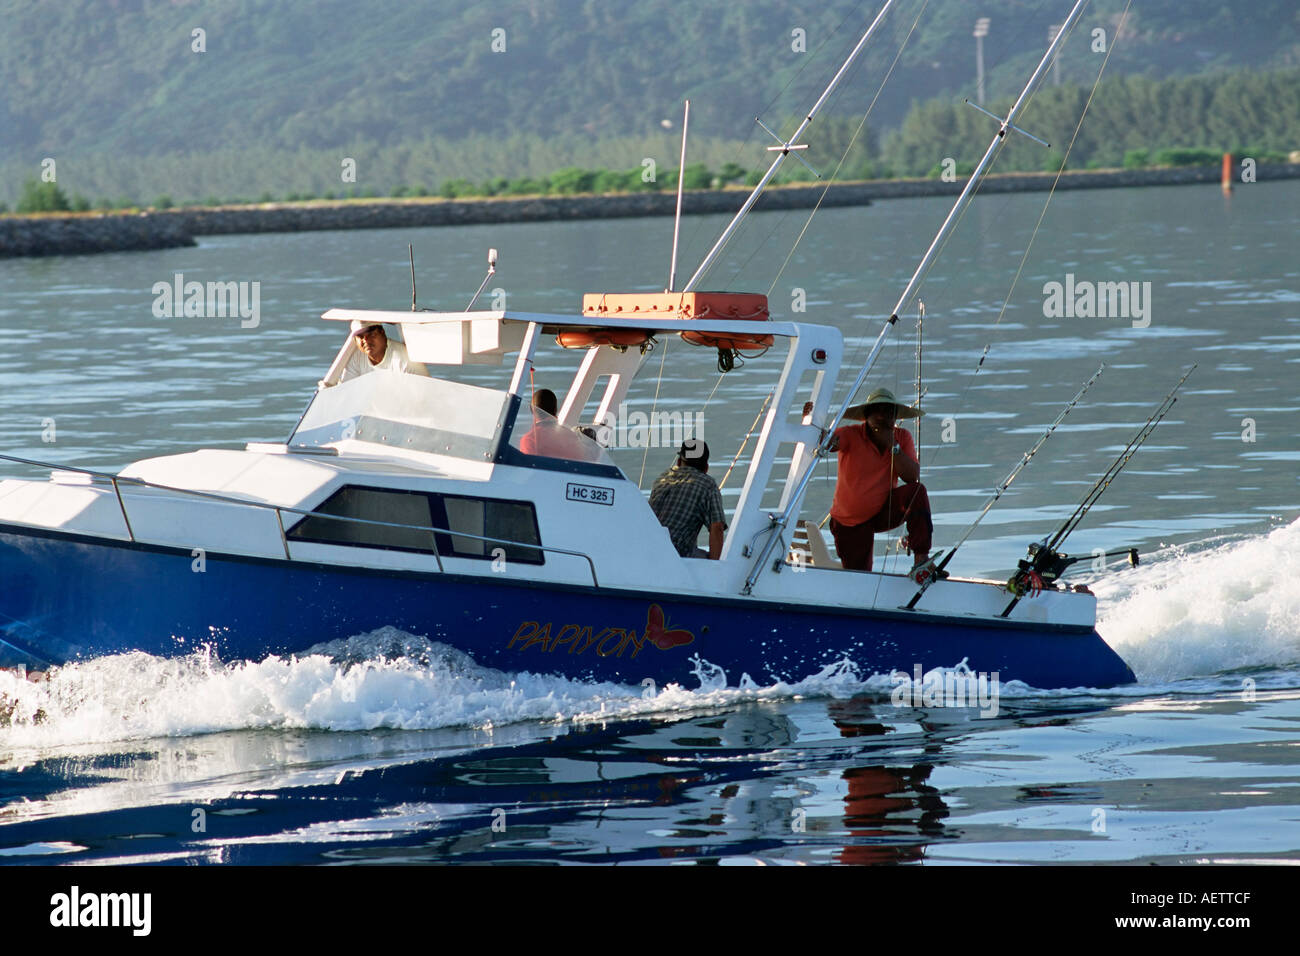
x,y
385,679
1230,607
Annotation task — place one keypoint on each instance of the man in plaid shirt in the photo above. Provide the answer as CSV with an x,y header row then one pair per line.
x,y
685,499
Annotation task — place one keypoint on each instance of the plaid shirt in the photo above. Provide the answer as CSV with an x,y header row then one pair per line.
x,y
685,499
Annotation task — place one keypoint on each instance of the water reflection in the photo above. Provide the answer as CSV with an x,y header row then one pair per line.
x,y
854,781
817,781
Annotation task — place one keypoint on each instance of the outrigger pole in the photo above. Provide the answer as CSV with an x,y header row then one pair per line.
x,y
681,175
959,206
782,151
780,521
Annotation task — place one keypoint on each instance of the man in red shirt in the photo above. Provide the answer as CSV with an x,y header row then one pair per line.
x,y
873,457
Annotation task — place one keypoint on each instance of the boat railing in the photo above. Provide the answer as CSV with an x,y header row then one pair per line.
x,y
281,510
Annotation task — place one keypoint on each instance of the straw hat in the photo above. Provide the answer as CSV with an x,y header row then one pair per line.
x,y
882,396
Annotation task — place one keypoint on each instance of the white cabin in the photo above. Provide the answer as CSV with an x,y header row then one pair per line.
x,y
392,470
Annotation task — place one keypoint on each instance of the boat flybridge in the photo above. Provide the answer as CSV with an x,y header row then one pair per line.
x,y
420,502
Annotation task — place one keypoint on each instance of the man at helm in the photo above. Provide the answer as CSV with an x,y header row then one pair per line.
x,y
374,350
874,456
550,439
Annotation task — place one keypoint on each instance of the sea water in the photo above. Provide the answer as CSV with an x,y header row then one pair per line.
x,y
388,747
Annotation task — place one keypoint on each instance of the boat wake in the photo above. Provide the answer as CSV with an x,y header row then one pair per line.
x,y
384,679
1233,607
1200,621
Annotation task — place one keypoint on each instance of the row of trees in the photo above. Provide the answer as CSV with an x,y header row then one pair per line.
x,y
1243,113
1131,121
571,181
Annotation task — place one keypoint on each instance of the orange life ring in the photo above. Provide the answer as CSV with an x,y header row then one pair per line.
x,y
619,338
734,343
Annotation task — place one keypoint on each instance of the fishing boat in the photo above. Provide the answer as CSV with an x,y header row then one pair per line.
x,y
443,509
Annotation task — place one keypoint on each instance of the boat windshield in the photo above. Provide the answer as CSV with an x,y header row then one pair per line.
x,y
406,411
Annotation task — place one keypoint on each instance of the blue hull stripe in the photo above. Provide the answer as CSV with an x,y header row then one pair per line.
x,y
67,597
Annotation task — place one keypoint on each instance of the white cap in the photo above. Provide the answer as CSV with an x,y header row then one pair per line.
x,y
358,325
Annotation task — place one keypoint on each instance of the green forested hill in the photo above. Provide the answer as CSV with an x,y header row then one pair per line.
x,y
113,88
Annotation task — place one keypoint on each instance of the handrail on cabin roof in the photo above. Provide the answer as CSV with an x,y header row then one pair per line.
x,y
548,320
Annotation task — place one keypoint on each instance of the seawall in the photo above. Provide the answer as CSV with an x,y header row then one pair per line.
x,y
69,234
76,233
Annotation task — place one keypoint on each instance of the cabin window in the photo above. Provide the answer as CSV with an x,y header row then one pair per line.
x,y
370,504
450,520
514,522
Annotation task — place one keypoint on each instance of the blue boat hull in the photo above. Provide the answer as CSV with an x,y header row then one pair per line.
x,y
66,597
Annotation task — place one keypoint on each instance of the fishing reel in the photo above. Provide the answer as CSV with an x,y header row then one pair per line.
x,y
1045,566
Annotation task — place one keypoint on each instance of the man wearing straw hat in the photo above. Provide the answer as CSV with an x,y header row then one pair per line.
x,y
873,457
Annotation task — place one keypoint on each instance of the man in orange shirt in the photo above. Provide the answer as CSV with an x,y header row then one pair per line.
x,y
873,457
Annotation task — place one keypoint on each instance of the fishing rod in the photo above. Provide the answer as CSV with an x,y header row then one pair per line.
x,y
1001,489
1118,464
920,321
782,520
748,435
1045,564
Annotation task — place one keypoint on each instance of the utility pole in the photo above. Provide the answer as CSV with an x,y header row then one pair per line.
x,y
981,31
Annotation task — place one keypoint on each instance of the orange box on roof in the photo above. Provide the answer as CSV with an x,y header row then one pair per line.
x,y
749,306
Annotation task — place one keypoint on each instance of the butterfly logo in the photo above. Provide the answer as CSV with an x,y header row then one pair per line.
x,y
657,633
